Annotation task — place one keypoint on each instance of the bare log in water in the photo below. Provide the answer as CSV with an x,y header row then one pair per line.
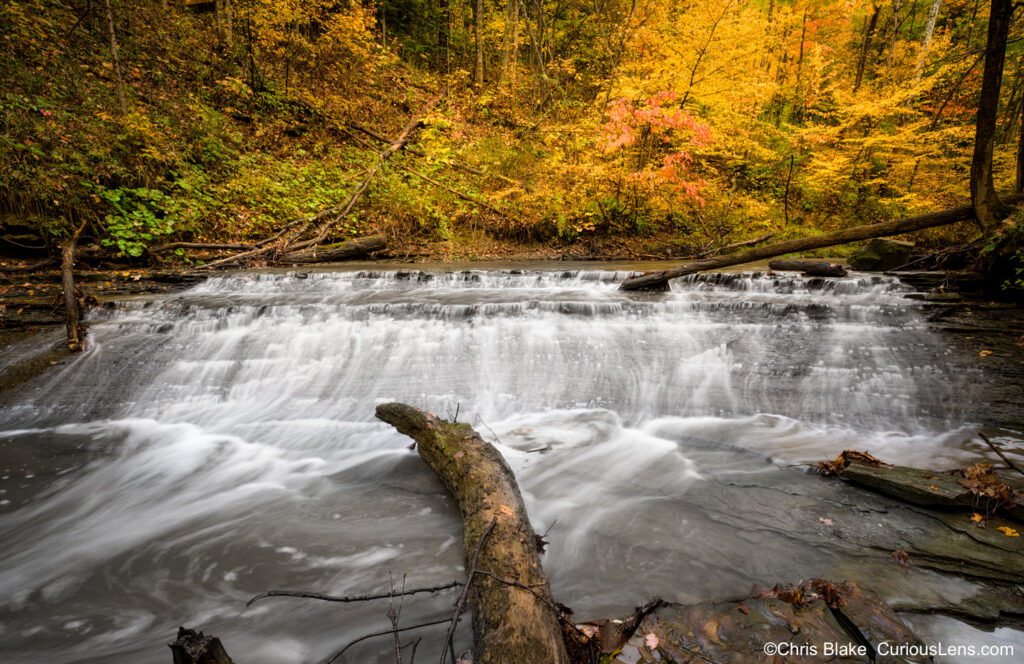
x,y
810,268
659,280
511,623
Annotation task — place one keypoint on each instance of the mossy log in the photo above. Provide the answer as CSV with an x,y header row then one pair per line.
x,y
341,251
511,624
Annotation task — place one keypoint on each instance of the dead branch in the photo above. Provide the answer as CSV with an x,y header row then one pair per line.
x,y
1000,453
353,598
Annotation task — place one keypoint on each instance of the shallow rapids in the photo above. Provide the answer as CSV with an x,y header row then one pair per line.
x,y
220,442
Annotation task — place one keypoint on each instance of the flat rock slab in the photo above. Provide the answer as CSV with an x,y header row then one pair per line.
x,y
927,488
771,630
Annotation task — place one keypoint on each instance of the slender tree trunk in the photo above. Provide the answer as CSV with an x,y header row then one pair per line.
x,y
72,310
443,23
1019,185
511,23
797,99
869,31
895,32
228,27
987,207
122,106
478,37
926,40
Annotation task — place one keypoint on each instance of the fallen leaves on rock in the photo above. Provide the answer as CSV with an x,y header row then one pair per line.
x,y
1009,532
902,557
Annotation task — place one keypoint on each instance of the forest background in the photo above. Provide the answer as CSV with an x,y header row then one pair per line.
x,y
611,128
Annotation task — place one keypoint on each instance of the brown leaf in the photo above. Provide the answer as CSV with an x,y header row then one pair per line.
x,y
902,557
743,608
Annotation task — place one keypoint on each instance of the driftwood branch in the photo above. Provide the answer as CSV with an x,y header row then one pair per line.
x,y
509,627
659,280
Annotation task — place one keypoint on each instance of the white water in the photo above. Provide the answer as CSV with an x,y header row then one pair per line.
x,y
220,442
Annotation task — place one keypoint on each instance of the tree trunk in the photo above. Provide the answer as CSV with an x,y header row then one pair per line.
x,y
869,31
478,29
511,624
113,55
443,22
511,23
659,280
895,33
987,207
342,251
1019,185
926,40
72,310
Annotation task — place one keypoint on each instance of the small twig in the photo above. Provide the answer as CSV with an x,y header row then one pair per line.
x,y
394,615
460,604
412,655
386,632
1000,453
354,598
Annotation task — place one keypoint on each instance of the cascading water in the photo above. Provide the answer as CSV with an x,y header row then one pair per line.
x,y
220,442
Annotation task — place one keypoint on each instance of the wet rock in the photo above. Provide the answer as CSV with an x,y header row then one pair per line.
x,y
880,255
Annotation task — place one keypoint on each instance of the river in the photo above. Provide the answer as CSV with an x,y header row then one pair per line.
x,y
215,443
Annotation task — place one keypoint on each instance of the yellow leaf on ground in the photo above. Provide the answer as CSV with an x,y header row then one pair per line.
x,y
1009,532
976,518
985,353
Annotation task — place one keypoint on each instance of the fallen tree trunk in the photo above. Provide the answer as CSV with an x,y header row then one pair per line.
x,y
810,268
341,251
512,624
659,280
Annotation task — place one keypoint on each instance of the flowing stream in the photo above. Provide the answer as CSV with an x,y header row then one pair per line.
x,y
220,442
